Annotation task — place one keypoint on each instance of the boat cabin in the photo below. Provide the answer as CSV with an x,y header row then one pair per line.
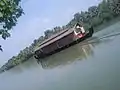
x,y
79,30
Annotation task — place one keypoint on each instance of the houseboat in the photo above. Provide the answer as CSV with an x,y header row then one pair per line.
x,y
62,40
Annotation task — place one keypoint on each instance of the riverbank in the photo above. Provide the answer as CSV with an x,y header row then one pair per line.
x,y
107,24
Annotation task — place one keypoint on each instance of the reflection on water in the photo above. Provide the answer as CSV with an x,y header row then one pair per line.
x,y
31,64
79,51
67,56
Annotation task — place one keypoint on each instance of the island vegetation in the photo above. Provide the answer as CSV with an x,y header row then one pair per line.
x,y
96,16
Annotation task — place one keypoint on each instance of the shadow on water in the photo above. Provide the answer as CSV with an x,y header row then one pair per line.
x,y
80,51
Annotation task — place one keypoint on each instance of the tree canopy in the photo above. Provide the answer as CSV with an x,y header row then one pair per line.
x,y
10,11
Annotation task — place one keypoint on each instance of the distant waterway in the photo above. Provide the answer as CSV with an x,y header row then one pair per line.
x,y
93,64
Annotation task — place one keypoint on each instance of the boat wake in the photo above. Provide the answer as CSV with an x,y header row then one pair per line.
x,y
104,38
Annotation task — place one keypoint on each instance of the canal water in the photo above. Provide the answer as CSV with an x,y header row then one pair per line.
x,y
93,64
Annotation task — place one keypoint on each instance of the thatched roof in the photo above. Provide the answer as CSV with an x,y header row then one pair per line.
x,y
55,38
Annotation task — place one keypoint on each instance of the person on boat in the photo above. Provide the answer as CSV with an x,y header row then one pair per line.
x,y
79,28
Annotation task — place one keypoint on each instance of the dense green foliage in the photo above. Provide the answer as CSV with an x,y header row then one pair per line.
x,y
10,11
95,16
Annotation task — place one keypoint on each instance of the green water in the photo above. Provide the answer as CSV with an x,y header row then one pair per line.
x,y
91,65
